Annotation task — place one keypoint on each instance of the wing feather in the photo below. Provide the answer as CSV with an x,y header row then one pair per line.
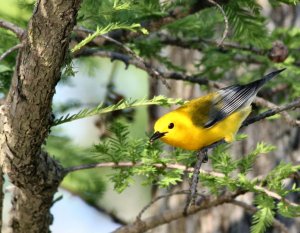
x,y
229,100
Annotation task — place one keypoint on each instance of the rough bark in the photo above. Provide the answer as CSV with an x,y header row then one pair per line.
x,y
26,115
1,198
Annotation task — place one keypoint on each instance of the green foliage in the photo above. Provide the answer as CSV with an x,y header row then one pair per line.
x,y
122,104
287,210
110,27
106,12
7,40
201,24
247,22
118,147
275,177
245,163
172,178
222,161
148,158
5,78
263,218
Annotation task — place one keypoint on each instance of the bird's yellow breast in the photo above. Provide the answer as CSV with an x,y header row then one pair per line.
x,y
189,136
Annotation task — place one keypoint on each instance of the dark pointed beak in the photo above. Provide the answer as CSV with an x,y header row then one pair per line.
x,y
156,135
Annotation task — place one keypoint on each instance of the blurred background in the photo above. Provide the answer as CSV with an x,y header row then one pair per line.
x,y
87,201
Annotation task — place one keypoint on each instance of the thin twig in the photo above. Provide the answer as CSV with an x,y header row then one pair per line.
x,y
275,110
251,209
152,72
195,43
12,27
143,65
201,156
225,21
173,166
131,164
59,198
10,51
171,215
285,115
181,192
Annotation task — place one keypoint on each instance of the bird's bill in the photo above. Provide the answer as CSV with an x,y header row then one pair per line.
x,y
156,135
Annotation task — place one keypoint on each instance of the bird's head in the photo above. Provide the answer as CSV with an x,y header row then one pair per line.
x,y
172,128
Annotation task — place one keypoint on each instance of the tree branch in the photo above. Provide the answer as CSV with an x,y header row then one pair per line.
x,y
171,215
201,158
195,44
12,49
181,192
276,109
19,32
152,72
220,43
277,53
142,65
281,110
131,164
172,166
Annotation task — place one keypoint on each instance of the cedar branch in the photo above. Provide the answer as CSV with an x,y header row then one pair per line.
x,y
171,215
19,32
172,166
9,51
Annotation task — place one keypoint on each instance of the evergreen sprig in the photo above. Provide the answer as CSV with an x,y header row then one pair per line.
x,y
104,30
123,104
263,218
245,163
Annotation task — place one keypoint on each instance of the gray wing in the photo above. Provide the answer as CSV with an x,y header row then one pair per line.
x,y
229,100
232,98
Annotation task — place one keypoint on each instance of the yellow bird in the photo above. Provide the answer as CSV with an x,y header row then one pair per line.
x,y
209,119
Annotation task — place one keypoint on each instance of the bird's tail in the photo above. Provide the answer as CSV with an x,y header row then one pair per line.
x,y
259,83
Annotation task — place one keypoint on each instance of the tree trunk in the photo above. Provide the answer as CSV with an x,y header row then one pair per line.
x,y
26,115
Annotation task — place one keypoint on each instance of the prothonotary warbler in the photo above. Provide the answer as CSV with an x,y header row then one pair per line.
x,y
209,119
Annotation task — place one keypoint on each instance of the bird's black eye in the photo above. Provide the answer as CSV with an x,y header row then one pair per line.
x,y
171,126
